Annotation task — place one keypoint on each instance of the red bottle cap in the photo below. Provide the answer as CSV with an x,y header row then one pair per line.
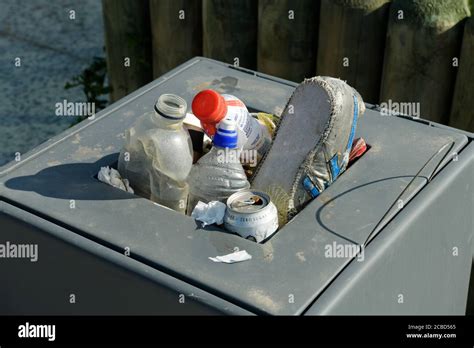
x,y
209,106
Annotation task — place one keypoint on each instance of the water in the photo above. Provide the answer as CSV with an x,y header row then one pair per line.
x,y
52,49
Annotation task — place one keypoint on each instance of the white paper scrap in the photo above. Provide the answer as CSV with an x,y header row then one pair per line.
x,y
237,256
112,177
210,213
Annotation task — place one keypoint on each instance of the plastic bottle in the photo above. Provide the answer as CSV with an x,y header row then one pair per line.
x,y
219,173
157,156
211,108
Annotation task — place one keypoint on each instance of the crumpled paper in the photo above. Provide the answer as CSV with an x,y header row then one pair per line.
x,y
112,177
237,256
210,213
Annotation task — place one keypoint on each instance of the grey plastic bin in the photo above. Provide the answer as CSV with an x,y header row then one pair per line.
x,y
105,251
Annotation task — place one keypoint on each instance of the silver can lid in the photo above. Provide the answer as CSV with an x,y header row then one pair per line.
x,y
248,202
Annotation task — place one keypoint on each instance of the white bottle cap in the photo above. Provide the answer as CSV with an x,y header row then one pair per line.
x,y
227,124
226,135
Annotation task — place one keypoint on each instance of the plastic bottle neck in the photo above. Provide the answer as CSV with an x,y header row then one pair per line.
x,y
169,111
166,123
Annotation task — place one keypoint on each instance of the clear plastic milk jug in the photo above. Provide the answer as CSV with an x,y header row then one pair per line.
x,y
157,156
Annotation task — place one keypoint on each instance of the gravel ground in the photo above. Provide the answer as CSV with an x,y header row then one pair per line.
x,y
53,48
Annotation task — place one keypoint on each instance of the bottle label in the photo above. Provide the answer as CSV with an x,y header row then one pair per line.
x,y
254,133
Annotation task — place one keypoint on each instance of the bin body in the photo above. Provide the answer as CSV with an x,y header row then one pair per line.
x,y
118,253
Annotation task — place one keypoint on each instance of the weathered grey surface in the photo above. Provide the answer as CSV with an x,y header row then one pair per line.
x,y
292,262
127,36
415,256
53,48
176,27
230,31
354,30
419,52
103,281
462,111
287,41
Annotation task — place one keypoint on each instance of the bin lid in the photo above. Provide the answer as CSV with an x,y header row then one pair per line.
x,y
292,264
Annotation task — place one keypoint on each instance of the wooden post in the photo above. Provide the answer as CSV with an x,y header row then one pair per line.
x,y
128,45
287,38
423,37
462,111
176,27
351,43
230,31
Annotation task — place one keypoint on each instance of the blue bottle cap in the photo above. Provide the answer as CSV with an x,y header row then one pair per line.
x,y
226,135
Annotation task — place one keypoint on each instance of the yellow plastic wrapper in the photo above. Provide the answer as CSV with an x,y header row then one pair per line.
x,y
268,120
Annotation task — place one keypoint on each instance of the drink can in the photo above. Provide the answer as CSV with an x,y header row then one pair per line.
x,y
251,215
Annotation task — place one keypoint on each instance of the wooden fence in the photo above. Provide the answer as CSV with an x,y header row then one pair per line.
x,y
400,51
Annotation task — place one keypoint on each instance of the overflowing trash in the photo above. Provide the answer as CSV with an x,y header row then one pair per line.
x,y
247,172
